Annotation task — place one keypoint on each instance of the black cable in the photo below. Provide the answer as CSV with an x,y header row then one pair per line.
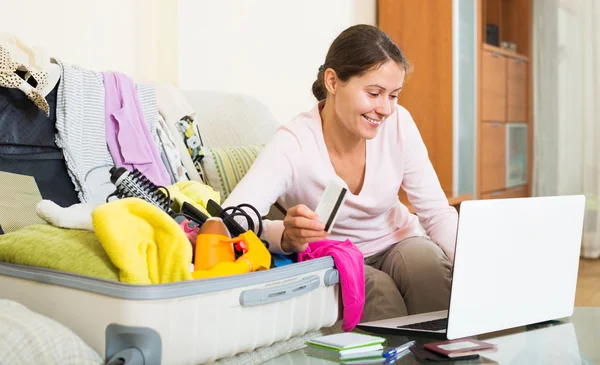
x,y
171,212
166,193
238,211
260,224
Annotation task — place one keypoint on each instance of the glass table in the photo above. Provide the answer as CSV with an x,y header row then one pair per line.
x,y
573,340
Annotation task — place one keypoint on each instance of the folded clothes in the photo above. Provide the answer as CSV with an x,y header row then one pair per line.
x,y
143,242
46,246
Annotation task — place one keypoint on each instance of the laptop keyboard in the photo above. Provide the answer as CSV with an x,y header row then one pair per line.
x,y
435,325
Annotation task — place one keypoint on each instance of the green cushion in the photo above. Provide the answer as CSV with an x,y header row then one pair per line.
x,y
70,250
225,167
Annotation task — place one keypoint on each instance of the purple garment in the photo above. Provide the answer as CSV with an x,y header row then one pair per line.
x,y
349,262
127,134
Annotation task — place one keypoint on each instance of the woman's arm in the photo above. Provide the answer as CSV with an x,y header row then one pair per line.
x,y
424,191
269,177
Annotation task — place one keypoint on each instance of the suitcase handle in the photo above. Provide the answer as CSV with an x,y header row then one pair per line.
x,y
254,297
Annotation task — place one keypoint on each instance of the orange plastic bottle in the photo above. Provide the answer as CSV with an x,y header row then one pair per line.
x,y
213,245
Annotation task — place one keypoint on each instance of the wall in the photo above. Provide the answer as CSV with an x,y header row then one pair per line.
x,y
269,49
95,34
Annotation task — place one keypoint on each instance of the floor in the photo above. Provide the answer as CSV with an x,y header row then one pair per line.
x,y
588,284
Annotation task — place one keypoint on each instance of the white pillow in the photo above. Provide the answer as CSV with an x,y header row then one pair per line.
x,y
27,337
231,119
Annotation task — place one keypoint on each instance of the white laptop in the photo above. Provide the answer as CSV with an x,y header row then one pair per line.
x,y
515,263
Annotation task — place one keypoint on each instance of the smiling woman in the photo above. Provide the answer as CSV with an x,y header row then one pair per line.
x,y
357,136
362,103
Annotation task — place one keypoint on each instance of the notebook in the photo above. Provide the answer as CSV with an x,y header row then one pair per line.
x,y
346,357
348,343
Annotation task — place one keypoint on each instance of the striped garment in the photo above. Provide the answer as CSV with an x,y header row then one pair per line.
x,y
80,124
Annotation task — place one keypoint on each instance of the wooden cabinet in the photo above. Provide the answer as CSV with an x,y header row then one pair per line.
x,y
503,86
519,192
493,86
504,105
440,100
493,156
504,136
516,90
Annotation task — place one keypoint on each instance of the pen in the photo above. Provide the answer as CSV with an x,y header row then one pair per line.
x,y
398,349
398,356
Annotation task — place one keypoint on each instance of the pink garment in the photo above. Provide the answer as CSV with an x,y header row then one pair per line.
x,y
349,262
294,168
127,134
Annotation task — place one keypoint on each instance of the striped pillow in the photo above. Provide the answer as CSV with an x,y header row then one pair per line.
x,y
225,167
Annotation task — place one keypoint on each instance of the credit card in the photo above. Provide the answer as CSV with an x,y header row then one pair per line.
x,y
329,206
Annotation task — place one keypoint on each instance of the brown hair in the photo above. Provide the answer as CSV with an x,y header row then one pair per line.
x,y
355,51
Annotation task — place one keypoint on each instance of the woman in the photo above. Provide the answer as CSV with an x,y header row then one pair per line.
x,y
359,137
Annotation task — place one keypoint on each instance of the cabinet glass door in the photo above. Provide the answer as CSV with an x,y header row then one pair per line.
x,y
516,154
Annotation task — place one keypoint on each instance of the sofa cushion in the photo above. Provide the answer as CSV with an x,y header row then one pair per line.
x,y
224,167
230,119
27,337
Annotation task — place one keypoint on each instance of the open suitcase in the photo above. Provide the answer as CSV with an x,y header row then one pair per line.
x,y
192,322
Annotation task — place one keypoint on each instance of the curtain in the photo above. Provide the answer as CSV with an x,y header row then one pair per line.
x,y
566,87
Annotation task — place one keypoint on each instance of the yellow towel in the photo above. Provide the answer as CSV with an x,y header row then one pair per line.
x,y
143,242
193,192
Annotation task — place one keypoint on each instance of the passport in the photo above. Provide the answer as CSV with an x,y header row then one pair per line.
x,y
460,347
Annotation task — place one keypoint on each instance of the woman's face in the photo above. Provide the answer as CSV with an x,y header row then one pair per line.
x,y
364,102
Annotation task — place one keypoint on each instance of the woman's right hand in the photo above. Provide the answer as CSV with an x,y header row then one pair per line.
x,y
302,226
